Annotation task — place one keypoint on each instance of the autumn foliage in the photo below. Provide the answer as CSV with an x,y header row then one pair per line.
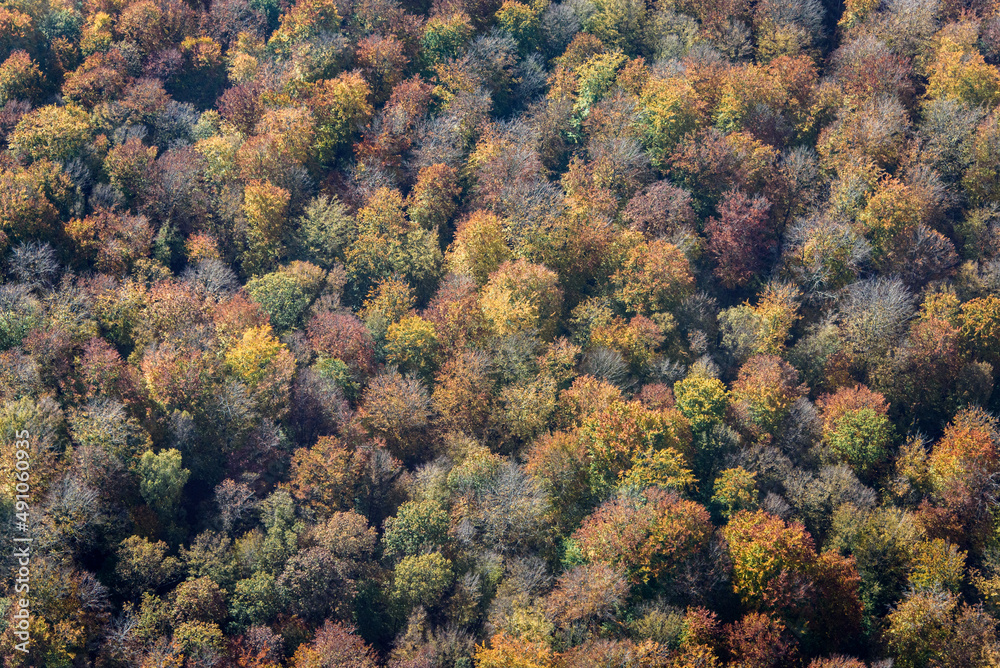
x,y
500,333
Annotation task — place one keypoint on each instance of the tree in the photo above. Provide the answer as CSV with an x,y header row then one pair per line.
x,y
559,461
512,652
286,294
919,375
873,132
130,167
938,565
69,608
412,345
660,209
397,408
932,628
416,526
735,490
32,200
162,480
764,391
105,373
882,542
637,340
341,108
391,135
873,317
480,246
960,71
325,477
443,36
979,326
384,62
587,593
315,585
105,424
144,25
388,304
521,296
654,276
254,600
143,566
961,467
114,241
769,100
521,22
265,207
762,329
702,400
388,243
868,68
258,647
892,212
648,535
421,580
759,641
198,642
325,231
740,240
199,599
21,314
770,557
102,76
431,203
265,366
51,133
20,78
627,434
305,19
506,508
595,77
342,336
857,427
347,536
617,23
334,646
710,164
670,108
825,255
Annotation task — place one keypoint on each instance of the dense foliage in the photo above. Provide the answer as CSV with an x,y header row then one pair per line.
x,y
502,334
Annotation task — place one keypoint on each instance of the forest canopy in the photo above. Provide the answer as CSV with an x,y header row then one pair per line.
x,y
500,334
